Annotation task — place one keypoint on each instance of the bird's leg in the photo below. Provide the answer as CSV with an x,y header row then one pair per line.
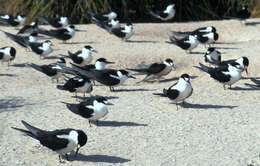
x,y
177,106
229,86
224,87
60,158
84,95
111,88
67,157
57,80
89,123
76,96
94,83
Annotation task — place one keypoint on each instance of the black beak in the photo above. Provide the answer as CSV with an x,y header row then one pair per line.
x,y
107,62
108,103
94,51
130,76
77,151
173,68
78,30
246,71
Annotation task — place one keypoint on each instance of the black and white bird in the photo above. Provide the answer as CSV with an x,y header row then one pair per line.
x,y
156,70
212,56
23,41
109,25
165,15
103,17
124,32
198,31
100,64
82,57
60,22
41,49
62,141
7,54
244,13
92,109
207,38
107,77
179,91
77,84
52,70
63,34
225,74
188,43
242,61
29,29
9,20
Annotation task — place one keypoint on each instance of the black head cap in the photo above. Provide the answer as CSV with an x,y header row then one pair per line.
x,y
34,34
215,36
82,138
245,61
185,77
12,52
101,60
72,26
169,60
211,49
129,24
101,99
88,47
124,72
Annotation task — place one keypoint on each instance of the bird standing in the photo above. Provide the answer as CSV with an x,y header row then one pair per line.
x,y
178,91
7,54
61,141
165,15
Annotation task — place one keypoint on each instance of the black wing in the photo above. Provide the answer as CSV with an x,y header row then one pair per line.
x,y
35,48
1,55
104,76
156,68
84,111
218,74
75,58
172,93
51,139
118,32
183,43
73,83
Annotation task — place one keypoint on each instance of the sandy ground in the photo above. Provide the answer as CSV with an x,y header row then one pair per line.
x,y
216,127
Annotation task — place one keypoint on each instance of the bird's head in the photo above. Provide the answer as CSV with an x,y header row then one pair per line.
x,y
82,140
185,77
170,63
125,73
89,48
103,100
12,53
112,15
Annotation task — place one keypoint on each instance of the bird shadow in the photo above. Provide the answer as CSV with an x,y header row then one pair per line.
x,y
20,65
252,23
141,41
96,96
119,124
225,43
227,48
204,106
197,52
78,43
8,75
132,90
12,103
256,87
52,57
175,79
237,88
98,158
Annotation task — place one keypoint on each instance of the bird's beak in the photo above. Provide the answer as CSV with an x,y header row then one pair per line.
x,y
77,151
108,103
246,71
173,68
110,62
94,51
130,76
78,30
